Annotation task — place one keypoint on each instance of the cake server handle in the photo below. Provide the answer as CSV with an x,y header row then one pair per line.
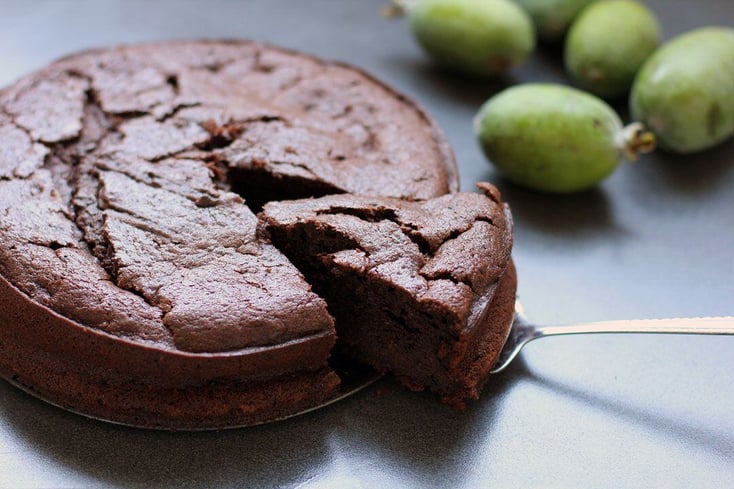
x,y
722,325
523,332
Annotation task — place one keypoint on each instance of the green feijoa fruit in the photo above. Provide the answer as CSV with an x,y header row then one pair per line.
x,y
555,138
552,17
685,91
474,37
608,43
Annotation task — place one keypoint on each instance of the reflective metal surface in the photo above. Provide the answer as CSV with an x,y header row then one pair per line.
x,y
523,331
587,411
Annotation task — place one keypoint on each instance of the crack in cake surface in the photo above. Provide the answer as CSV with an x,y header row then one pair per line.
x,y
433,228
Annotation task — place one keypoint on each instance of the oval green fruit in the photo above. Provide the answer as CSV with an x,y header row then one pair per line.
x,y
552,17
685,91
554,138
608,43
474,37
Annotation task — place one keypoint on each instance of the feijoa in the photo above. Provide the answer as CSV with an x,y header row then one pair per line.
x,y
685,91
474,37
552,17
608,43
555,138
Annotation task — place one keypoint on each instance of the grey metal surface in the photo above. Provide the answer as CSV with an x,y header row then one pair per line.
x,y
656,239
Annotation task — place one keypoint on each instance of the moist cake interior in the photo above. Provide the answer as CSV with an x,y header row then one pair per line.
x,y
376,322
396,278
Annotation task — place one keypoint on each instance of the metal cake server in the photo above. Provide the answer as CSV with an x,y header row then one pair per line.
x,y
523,331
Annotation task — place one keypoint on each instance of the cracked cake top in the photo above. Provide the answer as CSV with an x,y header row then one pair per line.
x,y
124,175
451,250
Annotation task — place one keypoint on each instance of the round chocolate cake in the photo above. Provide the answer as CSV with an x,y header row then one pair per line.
x,y
138,284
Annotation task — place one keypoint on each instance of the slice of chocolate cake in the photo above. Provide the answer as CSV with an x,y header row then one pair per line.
x,y
424,290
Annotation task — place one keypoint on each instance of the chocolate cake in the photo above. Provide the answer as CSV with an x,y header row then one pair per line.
x,y
420,289
134,285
